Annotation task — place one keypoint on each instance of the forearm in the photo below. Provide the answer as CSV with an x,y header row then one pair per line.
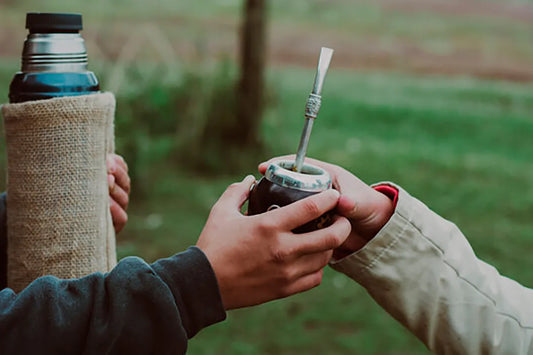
x,y
136,308
422,270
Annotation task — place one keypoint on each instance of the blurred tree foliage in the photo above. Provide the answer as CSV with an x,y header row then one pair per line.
x,y
208,123
190,126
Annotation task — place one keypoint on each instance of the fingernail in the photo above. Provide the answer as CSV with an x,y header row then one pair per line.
x,y
111,181
248,177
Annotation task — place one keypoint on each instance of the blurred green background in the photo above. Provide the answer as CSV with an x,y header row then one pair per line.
x,y
434,95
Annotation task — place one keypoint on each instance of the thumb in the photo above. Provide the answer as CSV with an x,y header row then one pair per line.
x,y
236,194
347,207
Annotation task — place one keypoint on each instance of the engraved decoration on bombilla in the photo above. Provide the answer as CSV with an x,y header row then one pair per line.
x,y
313,105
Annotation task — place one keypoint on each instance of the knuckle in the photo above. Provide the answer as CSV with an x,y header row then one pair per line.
x,y
331,240
265,226
316,279
311,207
233,186
279,256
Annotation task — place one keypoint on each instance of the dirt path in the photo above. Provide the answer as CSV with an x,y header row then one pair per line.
x,y
493,55
505,9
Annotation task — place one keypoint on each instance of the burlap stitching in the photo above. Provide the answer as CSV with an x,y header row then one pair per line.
x,y
58,216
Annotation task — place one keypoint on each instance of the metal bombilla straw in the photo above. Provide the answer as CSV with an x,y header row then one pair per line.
x,y
313,106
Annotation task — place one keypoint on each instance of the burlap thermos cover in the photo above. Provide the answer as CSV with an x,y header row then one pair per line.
x,y
57,195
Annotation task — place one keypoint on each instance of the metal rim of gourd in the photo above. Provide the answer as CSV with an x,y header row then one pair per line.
x,y
312,178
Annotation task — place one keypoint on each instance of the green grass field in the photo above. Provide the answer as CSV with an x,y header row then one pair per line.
x,y
460,143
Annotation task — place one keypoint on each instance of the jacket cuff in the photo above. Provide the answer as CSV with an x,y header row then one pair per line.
x,y
389,191
194,285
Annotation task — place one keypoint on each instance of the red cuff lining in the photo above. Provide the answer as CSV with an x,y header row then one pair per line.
x,y
388,191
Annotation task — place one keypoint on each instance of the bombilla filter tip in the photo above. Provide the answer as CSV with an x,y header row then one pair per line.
x,y
325,55
323,64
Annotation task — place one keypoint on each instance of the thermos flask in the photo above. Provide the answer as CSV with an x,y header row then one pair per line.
x,y
58,219
54,59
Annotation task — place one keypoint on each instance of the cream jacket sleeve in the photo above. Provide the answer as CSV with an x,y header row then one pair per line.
x,y
421,269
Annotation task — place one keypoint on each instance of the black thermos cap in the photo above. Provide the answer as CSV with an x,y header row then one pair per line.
x,y
43,22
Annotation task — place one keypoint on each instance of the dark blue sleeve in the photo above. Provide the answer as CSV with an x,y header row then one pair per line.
x,y
3,241
135,309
